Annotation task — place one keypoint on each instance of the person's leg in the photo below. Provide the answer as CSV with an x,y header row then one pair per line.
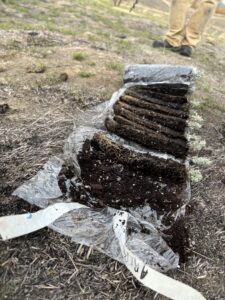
x,y
178,15
198,22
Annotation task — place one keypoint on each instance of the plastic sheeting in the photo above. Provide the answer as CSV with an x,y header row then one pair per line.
x,y
13,226
94,227
173,75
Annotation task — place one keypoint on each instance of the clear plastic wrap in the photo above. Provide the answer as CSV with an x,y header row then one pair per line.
x,y
173,75
95,227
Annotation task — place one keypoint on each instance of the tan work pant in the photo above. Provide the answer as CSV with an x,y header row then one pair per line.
x,y
189,33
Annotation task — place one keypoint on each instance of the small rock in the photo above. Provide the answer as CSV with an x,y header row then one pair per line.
x,y
122,36
33,33
4,108
63,77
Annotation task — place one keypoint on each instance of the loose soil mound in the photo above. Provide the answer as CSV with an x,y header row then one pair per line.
x,y
122,181
118,184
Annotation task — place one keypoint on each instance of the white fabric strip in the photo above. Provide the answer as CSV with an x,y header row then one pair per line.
x,y
152,279
17,225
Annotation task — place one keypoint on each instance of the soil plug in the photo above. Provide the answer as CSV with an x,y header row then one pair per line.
x,y
172,122
148,138
153,106
148,93
128,115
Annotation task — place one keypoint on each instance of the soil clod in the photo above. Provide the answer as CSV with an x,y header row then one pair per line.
x,y
4,108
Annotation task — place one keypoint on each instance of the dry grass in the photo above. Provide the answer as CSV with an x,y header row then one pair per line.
x,y
54,267
46,265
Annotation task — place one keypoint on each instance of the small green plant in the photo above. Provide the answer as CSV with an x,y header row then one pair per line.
x,y
23,9
52,79
115,67
195,116
36,68
80,56
91,63
195,175
14,44
201,161
195,104
195,141
41,68
85,74
194,125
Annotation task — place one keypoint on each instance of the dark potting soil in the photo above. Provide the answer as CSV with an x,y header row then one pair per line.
x,y
154,117
159,135
169,169
154,107
148,138
158,98
176,123
125,113
119,185
177,90
107,182
178,239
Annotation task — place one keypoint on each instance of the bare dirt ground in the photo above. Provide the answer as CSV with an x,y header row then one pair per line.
x,y
57,58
